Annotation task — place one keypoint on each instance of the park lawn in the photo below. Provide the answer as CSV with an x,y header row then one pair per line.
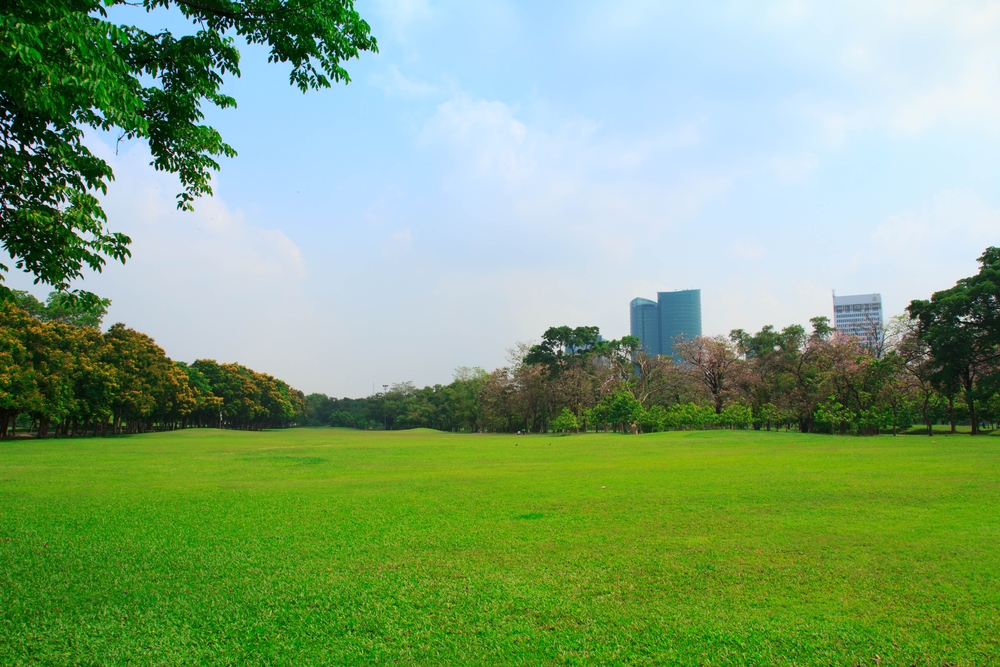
x,y
340,547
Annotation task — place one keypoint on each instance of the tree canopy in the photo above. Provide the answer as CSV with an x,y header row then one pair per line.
x,y
563,345
65,67
66,377
961,326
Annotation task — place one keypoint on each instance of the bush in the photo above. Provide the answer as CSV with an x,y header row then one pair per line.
x,y
736,415
566,421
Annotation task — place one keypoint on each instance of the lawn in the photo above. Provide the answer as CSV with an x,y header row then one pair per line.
x,y
338,547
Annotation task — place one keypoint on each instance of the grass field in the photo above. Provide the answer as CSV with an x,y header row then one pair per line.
x,y
335,547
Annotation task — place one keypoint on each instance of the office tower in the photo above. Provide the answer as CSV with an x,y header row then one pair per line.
x,y
657,324
859,315
680,315
644,321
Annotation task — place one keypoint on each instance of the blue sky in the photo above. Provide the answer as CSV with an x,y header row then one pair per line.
x,y
500,167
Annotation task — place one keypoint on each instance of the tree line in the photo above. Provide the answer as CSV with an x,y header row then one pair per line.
x,y
937,363
60,375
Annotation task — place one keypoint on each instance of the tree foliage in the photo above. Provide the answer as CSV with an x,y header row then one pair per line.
x,y
562,347
939,363
68,379
961,327
66,67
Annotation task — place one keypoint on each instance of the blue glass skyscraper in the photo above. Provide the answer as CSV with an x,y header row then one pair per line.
x,y
657,324
680,315
644,321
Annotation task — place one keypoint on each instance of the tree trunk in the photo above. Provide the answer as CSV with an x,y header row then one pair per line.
x,y
927,419
951,408
972,414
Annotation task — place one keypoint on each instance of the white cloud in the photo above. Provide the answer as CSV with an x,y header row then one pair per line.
x,y
398,244
794,168
960,216
485,131
208,283
400,17
568,180
214,245
906,67
914,253
897,66
393,82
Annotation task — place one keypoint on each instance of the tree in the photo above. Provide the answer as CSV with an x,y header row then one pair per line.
x,y
764,377
619,357
62,307
562,346
961,325
65,67
318,410
736,416
917,363
498,400
142,369
566,421
690,415
618,409
19,391
464,393
800,364
713,361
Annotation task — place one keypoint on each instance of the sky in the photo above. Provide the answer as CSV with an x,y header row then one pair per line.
x,y
502,167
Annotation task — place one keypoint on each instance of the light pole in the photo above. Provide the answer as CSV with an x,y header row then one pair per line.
x,y
385,420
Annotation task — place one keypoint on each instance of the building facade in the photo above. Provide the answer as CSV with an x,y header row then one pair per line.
x,y
859,315
657,324
644,324
680,316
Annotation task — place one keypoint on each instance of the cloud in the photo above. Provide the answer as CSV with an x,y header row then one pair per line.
x,y
486,132
398,245
794,168
393,82
894,66
400,17
960,216
568,179
911,254
214,246
901,67
208,283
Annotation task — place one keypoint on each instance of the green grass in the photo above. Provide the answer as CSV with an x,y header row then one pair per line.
x,y
335,547
945,429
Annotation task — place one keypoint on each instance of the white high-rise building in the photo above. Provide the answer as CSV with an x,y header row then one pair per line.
x,y
859,315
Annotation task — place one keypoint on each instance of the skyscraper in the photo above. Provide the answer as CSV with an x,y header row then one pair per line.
x,y
680,315
859,315
657,324
644,321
